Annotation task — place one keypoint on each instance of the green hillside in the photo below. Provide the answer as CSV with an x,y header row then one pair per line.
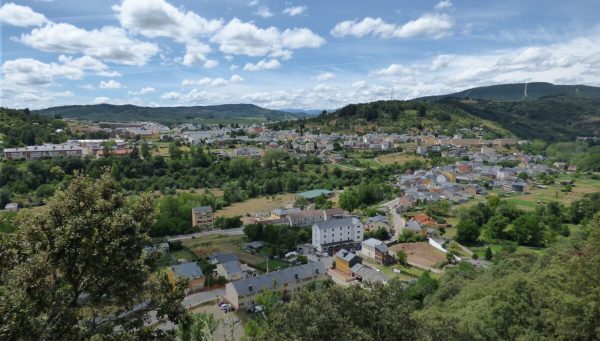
x,y
516,92
226,113
21,127
549,118
550,112
396,117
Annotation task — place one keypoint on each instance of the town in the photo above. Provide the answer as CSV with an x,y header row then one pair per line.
x,y
409,234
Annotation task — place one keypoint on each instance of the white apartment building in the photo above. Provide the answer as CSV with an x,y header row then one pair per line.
x,y
333,234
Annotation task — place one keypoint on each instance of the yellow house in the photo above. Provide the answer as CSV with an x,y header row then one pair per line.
x,y
345,259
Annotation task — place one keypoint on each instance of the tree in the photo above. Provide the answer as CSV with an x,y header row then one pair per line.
x,y
467,231
488,253
494,228
300,202
401,256
75,269
145,150
528,230
199,327
321,202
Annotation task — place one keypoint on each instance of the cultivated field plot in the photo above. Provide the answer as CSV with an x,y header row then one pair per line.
x,y
398,158
205,246
554,193
254,205
420,253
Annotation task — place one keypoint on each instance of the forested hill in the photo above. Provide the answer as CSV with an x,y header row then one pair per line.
x,y
225,113
396,116
551,118
521,91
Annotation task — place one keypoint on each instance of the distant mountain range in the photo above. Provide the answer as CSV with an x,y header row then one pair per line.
x,y
225,113
520,91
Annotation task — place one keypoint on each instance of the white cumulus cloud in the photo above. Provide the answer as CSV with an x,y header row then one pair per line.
x,y
22,16
242,38
110,84
429,25
263,65
294,10
444,4
323,77
108,43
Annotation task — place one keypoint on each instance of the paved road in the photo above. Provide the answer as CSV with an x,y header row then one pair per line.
x,y
229,232
399,222
202,297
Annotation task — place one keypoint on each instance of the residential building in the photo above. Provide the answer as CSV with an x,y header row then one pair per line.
x,y
202,216
377,222
231,270
345,259
309,217
190,271
44,151
218,258
330,235
240,294
376,250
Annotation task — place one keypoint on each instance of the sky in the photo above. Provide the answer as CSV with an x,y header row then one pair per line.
x,y
286,54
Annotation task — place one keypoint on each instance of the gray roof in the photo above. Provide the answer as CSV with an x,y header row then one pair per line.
x,y
373,242
346,255
255,244
201,209
333,223
368,274
222,257
189,270
232,267
277,279
377,218
382,247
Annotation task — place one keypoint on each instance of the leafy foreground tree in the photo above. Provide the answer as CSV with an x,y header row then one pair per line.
x,y
199,327
335,313
76,270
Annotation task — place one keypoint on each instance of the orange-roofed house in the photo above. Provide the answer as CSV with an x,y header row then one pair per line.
x,y
425,220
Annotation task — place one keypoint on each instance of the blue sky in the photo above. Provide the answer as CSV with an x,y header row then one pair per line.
x,y
286,54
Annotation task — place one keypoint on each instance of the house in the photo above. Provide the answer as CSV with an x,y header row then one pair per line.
x,y
187,271
202,216
377,222
309,217
255,245
424,220
376,250
330,235
219,258
345,259
12,207
367,274
231,270
282,213
240,294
